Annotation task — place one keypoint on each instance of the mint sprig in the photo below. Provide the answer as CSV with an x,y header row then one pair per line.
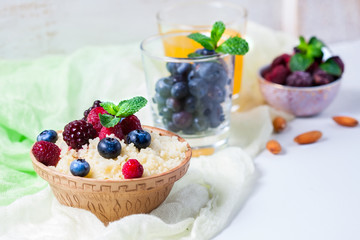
x,y
307,52
300,62
233,46
205,41
124,109
330,66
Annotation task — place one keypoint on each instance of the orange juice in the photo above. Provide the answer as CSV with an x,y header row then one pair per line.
x,y
181,46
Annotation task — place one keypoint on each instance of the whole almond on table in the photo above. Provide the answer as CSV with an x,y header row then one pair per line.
x,y
273,146
345,121
308,137
279,124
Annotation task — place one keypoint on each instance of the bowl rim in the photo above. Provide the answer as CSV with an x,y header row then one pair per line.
x,y
185,161
291,88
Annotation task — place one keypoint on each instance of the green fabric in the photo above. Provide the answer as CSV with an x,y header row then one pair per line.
x,y
47,93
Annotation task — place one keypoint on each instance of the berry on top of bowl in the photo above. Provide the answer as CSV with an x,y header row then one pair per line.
x,y
306,67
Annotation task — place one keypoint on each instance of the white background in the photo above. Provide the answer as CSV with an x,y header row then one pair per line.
x,y
310,191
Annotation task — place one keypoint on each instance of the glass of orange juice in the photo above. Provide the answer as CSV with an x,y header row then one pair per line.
x,y
199,16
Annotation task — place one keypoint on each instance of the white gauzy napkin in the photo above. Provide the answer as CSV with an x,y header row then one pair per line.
x,y
198,207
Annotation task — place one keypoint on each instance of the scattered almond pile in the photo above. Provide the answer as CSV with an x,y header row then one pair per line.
x,y
279,124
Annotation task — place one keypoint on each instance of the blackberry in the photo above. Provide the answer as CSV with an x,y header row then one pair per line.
x,y
77,133
299,79
95,105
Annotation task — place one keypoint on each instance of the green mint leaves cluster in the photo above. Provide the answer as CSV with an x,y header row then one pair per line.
x,y
123,109
308,52
233,45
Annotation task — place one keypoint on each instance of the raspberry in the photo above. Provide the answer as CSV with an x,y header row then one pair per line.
x,y
93,118
47,153
281,60
77,133
278,74
129,124
313,67
95,105
299,79
116,130
321,77
132,169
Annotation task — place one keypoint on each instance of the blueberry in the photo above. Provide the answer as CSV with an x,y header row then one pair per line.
x,y
173,104
163,87
205,52
171,67
159,99
216,93
191,75
179,90
109,147
178,78
166,112
212,72
190,104
205,107
182,120
140,138
48,136
216,116
200,124
198,87
79,167
171,126
184,69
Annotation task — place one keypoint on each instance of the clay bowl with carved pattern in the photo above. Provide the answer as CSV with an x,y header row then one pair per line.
x,y
299,101
110,199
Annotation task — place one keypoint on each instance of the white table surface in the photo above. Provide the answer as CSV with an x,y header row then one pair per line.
x,y
310,191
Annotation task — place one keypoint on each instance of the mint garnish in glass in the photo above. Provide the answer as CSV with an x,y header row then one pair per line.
x,y
233,45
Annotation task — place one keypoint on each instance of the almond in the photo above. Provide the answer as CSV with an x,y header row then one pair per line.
x,y
308,137
279,124
346,121
273,146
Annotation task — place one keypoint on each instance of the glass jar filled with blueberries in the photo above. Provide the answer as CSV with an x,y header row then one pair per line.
x,y
189,95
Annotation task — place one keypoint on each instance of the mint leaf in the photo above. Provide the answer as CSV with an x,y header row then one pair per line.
x,y
316,43
314,52
234,46
303,46
108,121
217,31
331,67
205,41
131,106
300,62
110,107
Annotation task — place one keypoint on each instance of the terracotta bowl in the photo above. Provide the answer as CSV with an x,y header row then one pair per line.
x,y
299,101
111,200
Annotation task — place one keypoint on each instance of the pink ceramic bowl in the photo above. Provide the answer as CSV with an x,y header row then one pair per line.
x,y
299,101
